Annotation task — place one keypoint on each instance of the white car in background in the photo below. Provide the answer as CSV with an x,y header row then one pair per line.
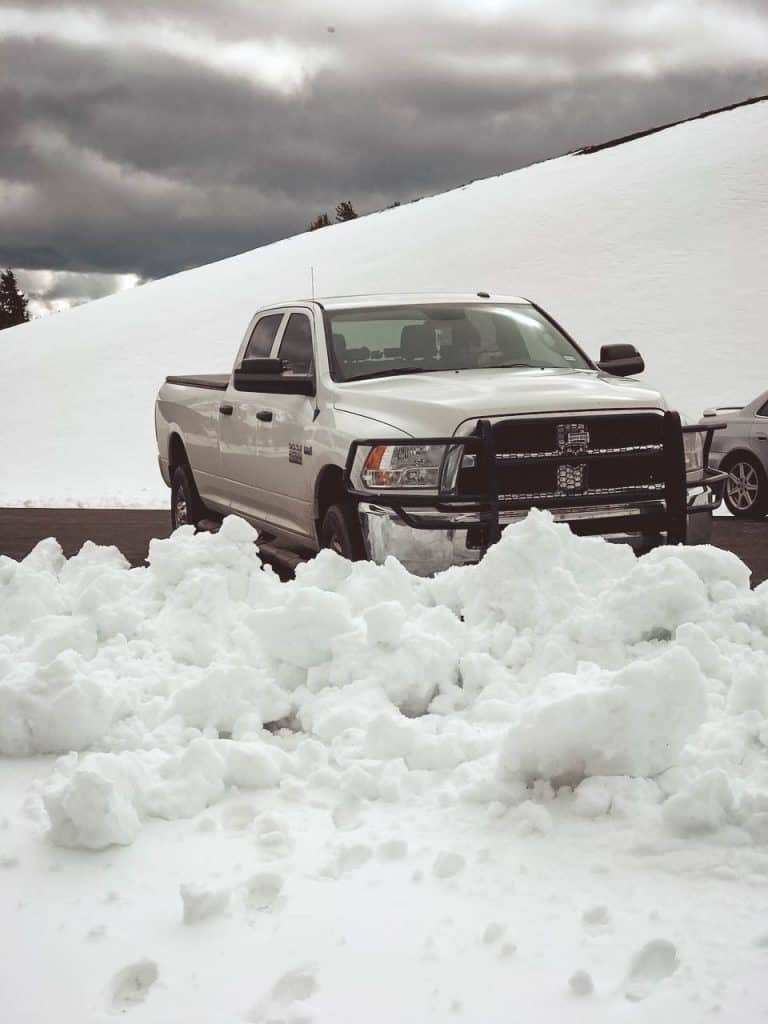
x,y
741,449
420,425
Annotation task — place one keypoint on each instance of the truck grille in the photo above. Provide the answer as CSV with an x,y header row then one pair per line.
x,y
576,459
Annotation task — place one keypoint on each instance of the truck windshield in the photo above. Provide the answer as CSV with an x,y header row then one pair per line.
x,y
396,340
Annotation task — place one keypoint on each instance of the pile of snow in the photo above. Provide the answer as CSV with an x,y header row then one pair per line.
x,y
560,670
661,242
533,787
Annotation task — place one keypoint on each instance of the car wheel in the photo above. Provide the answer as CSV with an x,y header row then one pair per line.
x,y
340,532
746,489
186,507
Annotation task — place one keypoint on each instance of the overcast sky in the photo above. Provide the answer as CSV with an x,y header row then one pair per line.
x,y
137,139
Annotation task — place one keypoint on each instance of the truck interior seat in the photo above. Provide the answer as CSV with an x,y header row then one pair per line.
x,y
512,344
417,341
357,355
466,343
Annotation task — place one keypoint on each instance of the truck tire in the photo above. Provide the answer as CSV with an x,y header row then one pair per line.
x,y
340,532
746,491
186,507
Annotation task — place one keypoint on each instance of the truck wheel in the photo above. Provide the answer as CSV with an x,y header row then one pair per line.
x,y
746,490
186,507
341,533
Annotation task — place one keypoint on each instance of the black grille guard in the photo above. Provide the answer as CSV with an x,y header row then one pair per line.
x,y
487,506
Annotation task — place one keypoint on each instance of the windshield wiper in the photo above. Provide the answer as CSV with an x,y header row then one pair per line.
x,y
437,369
391,373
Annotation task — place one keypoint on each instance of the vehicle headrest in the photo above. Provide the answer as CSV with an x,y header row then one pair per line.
x,y
465,335
417,341
355,355
339,344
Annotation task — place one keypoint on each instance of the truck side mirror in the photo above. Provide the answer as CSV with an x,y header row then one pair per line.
x,y
620,360
261,366
268,376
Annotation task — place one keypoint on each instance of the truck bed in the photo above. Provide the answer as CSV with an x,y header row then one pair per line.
x,y
209,381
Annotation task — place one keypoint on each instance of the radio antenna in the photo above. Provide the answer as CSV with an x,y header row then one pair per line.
x,y
312,276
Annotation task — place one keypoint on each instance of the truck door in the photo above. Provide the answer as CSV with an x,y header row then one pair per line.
x,y
291,474
245,428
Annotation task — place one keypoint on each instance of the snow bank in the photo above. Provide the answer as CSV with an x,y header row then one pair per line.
x,y
560,676
662,242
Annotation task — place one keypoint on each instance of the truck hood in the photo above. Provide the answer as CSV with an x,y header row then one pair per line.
x,y
431,404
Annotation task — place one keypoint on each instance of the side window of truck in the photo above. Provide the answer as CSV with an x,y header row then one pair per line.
x,y
296,346
263,337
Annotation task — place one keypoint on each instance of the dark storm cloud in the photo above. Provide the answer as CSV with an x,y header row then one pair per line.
x,y
124,150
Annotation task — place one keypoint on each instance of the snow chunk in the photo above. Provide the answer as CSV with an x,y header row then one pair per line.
x,y
92,811
703,805
389,736
251,765
323,618
630,722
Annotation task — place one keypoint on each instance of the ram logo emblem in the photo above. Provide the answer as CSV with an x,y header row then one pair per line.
x,y
572,439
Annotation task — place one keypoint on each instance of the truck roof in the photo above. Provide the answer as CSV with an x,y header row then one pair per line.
x,y
363,300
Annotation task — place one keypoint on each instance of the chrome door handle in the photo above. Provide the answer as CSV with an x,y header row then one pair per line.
x,y
265,415
762,437
226,409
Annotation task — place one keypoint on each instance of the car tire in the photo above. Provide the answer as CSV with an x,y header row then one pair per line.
x,y
746,490
340,531
186,507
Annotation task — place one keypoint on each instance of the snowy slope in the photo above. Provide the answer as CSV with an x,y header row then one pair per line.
x,y
530,790
662,242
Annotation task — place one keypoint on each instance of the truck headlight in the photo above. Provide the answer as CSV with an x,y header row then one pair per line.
x,y
693,445
403,467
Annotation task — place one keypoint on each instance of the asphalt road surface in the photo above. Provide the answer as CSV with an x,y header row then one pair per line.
x,y
131,530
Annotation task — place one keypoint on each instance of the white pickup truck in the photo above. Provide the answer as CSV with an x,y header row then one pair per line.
x,y
420,425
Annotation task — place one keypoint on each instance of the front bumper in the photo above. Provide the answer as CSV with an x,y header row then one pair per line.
x,y
427,549
428,535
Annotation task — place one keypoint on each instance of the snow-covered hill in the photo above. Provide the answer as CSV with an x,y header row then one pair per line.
x,y
662,242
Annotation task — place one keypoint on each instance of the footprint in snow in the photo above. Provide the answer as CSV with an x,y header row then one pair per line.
x,y
653,963
493,932
295,986
131,985
580,983
345,859
596,918
393,849
448,865
200,903
263,889
274,836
